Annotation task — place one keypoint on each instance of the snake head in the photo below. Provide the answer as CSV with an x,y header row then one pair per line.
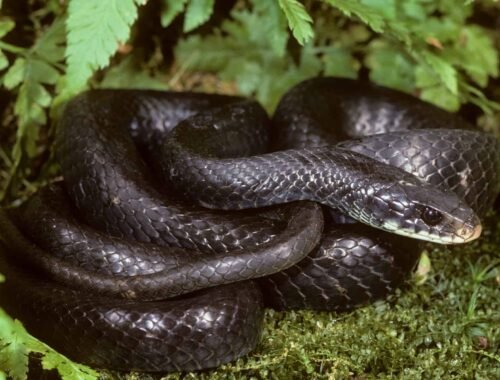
x,y
421,211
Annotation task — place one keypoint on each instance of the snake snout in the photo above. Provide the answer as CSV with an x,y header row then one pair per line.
x,y
470,230
463,224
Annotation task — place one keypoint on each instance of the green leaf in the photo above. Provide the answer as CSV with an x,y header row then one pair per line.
x,y
441,97
353,7
95,30
433,90
44,72
385,8
444,30
30,73
477,97
129,74
458,13
68,369
242,52
30,106
50,46
209,54
414,9
274,23
15,74
171,9
247,74
389,66
444,70
275,81
37,67
299,21
4,62
477,55
6,25
16,344
13,352
197,13
339,62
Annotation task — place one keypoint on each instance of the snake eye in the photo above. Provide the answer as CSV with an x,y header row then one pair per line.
x,y
431,216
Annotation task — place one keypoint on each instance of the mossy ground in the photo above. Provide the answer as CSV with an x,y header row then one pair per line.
x,y
444,325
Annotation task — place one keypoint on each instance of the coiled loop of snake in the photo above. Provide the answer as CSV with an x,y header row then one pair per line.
x,y
111,189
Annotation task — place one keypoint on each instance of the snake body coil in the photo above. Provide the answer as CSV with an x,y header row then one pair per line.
x,y
102,251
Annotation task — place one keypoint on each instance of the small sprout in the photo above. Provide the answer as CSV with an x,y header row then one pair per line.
x,y
423,269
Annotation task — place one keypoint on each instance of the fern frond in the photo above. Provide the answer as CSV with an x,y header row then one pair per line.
x,y
95,30
299,21
197,13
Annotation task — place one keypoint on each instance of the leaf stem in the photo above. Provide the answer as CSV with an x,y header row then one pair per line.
x,y
11,48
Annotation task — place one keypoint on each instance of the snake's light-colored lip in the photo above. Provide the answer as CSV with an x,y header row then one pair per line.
x,y
468,234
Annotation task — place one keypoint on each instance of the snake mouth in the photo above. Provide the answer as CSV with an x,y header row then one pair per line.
x,y
469,232
457,233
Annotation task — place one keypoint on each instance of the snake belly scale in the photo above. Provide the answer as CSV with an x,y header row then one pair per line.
x,y
182,215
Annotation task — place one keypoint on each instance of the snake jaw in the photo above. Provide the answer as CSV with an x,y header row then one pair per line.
x,y
469,231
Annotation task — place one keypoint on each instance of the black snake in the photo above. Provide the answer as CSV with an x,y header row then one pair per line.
x,y
102,251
